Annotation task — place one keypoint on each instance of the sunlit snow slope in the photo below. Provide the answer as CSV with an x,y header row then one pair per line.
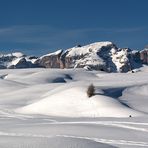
x,y
63,93
49,108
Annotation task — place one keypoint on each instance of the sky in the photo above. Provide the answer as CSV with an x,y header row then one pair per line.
x,y
38,27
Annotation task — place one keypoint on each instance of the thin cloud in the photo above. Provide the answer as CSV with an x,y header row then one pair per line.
x,y
50,37
25,33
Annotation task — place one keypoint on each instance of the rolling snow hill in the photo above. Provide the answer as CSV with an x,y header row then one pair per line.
x,y
49,108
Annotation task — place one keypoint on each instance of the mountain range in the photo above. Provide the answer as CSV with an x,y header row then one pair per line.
x,y
104,56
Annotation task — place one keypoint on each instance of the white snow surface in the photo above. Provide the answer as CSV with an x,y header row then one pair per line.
x,y
94,47
119,58
15,61
18,54
50,108
73,102
52,54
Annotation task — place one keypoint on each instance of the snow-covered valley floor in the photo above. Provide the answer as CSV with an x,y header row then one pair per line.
x,y
49,108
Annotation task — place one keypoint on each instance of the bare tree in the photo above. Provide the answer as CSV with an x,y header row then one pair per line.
x,y
90,90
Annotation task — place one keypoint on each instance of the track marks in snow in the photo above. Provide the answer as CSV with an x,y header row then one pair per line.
x,y
100,140
111,141
10,114
126,125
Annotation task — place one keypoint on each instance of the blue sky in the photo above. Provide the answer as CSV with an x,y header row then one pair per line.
x,y
42,26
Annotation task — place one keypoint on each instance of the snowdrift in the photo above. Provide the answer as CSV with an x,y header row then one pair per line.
x,y
73,102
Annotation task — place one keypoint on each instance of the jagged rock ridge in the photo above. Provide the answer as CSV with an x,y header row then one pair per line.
x,y
16,60
104,56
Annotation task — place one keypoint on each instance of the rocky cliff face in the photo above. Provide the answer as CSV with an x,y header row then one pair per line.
x,y
51,60
16,60
144,56
96,56
103,56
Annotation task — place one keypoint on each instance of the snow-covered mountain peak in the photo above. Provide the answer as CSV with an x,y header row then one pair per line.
x,y
91,48
14,54
18,54
99,56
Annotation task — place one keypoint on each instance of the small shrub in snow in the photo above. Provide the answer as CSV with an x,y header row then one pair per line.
x,y
90,90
